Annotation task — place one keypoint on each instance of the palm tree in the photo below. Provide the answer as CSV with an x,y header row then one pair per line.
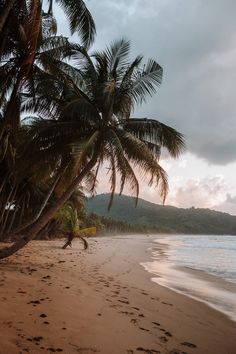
x,y
30,52
5,10
93,120
16,179
35,42
68,218
78,15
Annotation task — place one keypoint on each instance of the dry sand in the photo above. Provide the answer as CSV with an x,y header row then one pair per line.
x,y
101,301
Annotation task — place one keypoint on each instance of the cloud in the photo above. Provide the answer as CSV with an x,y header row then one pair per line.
x,y
195,43
228,206
204,193
214,192
211,192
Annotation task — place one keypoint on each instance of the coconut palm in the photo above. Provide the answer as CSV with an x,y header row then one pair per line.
x,y
26,60
93,121
14,174
68,218
78,15
29,50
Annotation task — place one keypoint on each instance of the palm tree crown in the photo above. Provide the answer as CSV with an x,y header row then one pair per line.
x,y
93,118
83,119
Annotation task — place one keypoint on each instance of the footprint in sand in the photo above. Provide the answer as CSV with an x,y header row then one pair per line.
x,y
156,323
124,302
168,334
127,313
148,351
34,302
166,303
46,277
43,315
163,339
188,344
37,339
144,329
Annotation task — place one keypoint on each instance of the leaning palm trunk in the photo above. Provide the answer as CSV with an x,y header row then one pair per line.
x,y
46,217
41,209
6,231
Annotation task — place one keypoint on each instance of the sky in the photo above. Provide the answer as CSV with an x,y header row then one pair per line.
x,y
195,43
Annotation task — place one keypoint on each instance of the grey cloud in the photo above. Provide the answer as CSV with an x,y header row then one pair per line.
x,y
194,41
228,206
231,199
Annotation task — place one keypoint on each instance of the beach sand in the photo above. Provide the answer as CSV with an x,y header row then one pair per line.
x,y
101,301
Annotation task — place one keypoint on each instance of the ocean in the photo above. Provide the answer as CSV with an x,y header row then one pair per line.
x,y
200,266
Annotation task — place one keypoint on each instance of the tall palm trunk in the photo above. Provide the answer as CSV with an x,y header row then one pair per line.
x,y
5,12
32,27
46,217
12,114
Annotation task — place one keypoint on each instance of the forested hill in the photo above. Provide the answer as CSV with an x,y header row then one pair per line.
x,y
159,218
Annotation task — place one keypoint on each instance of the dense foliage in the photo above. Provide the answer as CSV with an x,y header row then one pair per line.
x,y
163,219
65,112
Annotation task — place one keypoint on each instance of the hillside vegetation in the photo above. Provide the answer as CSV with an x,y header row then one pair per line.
x,y
158,218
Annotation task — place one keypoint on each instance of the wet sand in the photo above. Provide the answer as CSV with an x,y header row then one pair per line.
x,y
210,289
101,301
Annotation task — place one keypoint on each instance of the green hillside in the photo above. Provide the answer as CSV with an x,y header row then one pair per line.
x,y
159,218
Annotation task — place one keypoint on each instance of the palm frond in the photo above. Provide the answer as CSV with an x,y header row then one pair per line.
x,y
120,165
55,47
146,81
141,156
84,148
80,108
49,24
156,133
129,71
80,19
117,55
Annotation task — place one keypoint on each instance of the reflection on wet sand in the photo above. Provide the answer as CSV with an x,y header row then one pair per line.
x,y
208,288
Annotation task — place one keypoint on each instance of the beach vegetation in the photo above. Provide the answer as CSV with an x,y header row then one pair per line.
x,y
70,225
65,114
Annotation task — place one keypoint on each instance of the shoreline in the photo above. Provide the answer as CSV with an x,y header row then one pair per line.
x,y
101,300
198,284
183,292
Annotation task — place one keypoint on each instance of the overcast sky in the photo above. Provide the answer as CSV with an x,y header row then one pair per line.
x,y
195,42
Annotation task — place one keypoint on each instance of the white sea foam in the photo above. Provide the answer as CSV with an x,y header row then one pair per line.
x,y
203,267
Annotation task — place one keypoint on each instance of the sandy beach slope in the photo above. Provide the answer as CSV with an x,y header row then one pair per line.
x,y
101,301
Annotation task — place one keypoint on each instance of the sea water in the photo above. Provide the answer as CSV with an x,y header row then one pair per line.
x,y
202,267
